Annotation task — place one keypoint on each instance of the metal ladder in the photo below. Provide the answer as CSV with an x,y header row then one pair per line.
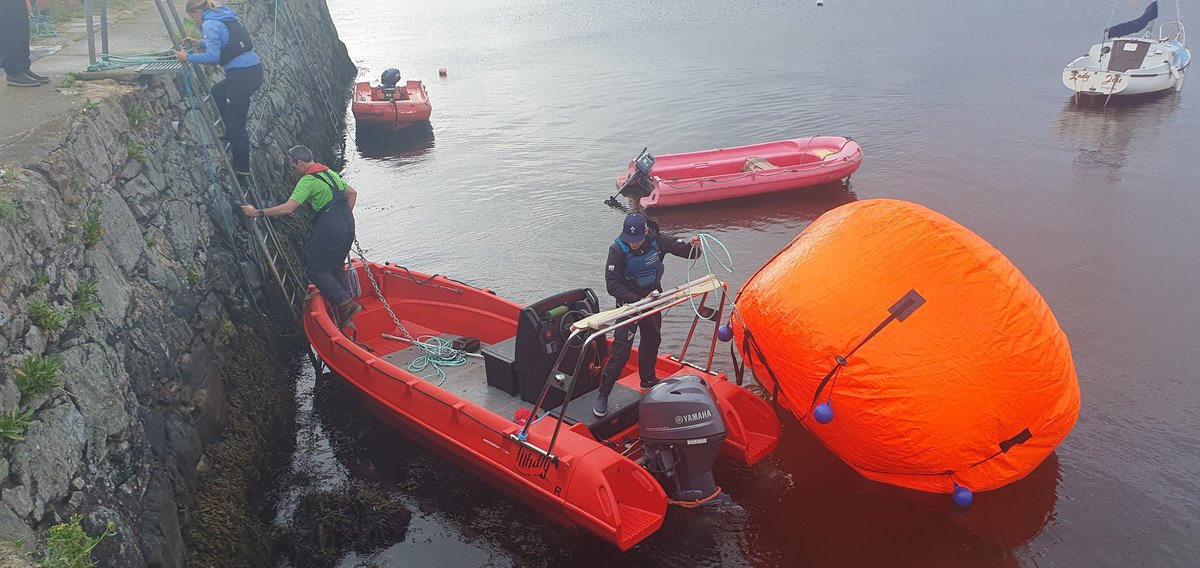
x,y
267,245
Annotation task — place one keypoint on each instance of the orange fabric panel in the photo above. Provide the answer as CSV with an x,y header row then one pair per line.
x,y
979,362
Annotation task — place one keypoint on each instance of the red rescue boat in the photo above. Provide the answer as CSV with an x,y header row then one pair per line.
x,y
373,109
613,476
726,173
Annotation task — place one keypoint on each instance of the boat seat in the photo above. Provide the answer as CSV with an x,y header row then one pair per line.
x,y
756,164
499,360
623,405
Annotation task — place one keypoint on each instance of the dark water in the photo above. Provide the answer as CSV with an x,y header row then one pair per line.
x,y
958,106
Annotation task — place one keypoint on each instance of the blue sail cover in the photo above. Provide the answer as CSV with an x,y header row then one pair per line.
x,y
1135,26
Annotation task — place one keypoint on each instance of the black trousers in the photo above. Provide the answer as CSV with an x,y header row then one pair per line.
x,y
622,344
232,95
14,37
332,235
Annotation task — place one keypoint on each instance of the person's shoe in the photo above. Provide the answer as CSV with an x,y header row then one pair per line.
x,y
23,80
649,384
40,78
348,309
600,408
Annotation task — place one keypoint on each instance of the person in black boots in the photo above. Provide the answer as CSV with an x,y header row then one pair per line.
x,y
634,271
226,42
332,226
14,45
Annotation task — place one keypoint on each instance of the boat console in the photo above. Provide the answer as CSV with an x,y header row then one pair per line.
x,y
521,365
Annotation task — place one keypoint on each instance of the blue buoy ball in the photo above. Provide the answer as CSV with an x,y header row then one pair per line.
x,y
823,413
725,333
963,496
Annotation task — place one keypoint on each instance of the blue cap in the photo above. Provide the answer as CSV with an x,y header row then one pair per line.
x,y
635,228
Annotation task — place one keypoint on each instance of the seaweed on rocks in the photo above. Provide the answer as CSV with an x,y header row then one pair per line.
x,y
358,516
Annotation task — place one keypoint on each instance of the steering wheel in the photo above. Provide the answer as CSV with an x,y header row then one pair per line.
x,y
600,346
568,319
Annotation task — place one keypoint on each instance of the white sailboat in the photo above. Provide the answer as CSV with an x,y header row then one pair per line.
x,y
1135,58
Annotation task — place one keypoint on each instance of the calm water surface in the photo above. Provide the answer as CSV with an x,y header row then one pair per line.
x,y
958,106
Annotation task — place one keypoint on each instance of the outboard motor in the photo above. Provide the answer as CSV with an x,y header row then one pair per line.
x,y
387,82
639,184
681,431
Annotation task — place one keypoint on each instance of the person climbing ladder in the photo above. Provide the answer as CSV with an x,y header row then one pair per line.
x,y
227,43
332,227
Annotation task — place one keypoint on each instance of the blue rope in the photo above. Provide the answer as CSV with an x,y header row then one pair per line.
x,y
43,26
706,253
212,171
439,353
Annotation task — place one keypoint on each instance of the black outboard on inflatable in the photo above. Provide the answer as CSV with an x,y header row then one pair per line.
x,y
387,83
681,431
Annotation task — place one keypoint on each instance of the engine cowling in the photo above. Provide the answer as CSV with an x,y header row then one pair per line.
x,y
681,430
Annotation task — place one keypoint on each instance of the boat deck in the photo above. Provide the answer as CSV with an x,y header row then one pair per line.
x,y
468,382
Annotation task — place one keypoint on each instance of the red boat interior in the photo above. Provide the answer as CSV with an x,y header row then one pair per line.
x,y
410,91
377,94
518,348
732,161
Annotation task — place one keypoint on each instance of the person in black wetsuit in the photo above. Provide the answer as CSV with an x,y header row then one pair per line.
x,y
227,43
634,271
333,201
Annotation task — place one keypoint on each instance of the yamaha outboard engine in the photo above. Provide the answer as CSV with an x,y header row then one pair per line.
x,y
387,82
681,431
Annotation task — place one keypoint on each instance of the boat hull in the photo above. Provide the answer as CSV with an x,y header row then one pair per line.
x,y
371,111
589,485
1159,67
729,173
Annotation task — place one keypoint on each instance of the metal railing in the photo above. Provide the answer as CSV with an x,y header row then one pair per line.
x,y
89,8
597,325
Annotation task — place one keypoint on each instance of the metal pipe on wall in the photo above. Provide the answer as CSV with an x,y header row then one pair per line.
x,y
88,5
103,26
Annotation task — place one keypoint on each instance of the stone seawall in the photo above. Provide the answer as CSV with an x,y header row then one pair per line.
x,y
171,394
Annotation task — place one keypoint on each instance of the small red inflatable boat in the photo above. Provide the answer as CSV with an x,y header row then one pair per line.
x,y
517,409
712,175
372,107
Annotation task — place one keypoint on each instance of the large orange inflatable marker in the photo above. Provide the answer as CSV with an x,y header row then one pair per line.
x,y
910,347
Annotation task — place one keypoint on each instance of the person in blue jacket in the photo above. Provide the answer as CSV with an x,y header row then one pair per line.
x,y
634,271
227,43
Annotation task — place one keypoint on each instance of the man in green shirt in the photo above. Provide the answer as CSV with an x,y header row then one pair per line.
x,y
332,200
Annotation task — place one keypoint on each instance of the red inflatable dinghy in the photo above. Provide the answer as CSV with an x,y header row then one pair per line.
x,y
727,173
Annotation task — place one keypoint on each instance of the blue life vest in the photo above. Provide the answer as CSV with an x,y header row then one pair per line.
x,y
642,271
